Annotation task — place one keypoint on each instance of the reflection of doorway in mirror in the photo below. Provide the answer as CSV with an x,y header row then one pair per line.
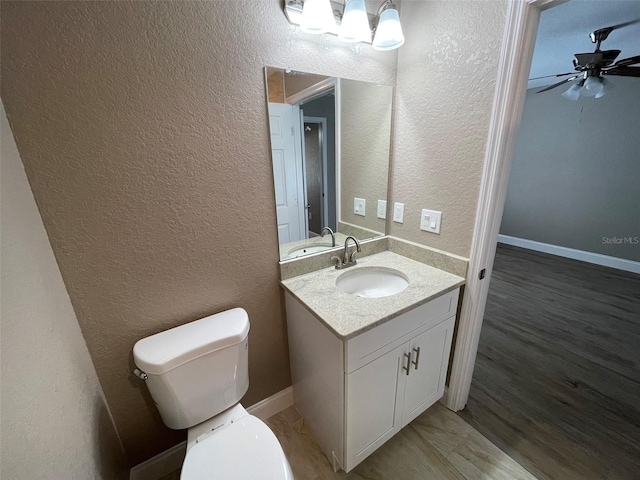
x,y
319,163
320,169
314,158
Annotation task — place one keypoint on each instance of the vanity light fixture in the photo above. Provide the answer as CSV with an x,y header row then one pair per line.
x,y
388,34
355,23
352,25
317,16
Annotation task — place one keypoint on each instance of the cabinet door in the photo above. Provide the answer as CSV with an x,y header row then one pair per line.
x,y
374,404
430,359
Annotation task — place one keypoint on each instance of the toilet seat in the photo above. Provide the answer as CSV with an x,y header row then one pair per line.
x,y
245,449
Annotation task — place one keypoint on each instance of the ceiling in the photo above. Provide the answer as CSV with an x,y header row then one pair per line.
x,y
564,30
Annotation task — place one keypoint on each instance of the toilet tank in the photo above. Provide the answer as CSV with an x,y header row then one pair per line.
x,y
197,370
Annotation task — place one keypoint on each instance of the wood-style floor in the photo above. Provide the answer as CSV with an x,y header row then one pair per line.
x,y
557,379
438,445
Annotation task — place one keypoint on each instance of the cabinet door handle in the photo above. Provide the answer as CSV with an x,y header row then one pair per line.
x,y
417,350
408,367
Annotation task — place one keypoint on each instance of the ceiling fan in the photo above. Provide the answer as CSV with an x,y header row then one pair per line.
x,y
591,68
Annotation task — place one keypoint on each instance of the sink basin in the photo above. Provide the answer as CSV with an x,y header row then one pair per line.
x,y
372,282
307,249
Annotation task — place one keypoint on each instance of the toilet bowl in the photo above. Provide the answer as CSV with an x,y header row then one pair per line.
x,y
197,373
244,448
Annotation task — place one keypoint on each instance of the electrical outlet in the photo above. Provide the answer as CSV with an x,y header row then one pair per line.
x,y
359,206
430,221
382,209
398,212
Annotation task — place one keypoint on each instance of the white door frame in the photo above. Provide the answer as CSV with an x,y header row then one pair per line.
x,y
314,91
337,93
302,180
518,43
300,173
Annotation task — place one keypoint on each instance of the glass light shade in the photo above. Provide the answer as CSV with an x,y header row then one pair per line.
x,y
389,31
592,86
355,23
573,93
606,86
317,16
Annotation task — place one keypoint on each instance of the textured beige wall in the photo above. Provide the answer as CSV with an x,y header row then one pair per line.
x,y
55,423
365,136
275,85
143,130
447,72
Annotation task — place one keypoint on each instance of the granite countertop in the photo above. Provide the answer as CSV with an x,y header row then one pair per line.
x,y
347,315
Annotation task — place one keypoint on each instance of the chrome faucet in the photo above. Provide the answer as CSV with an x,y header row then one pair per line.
x,y
333,237
347,260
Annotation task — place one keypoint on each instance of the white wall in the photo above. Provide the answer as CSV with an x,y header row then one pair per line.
x,y
575,180
54,420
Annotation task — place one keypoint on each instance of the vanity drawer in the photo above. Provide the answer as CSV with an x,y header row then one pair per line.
x,y
373,343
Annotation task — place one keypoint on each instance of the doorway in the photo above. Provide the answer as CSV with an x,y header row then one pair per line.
x,y
555,382
315,176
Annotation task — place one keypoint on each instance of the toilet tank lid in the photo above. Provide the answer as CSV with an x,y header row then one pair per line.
x,y
167,350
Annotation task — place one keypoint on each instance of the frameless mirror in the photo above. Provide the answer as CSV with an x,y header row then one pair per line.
x,y
330,140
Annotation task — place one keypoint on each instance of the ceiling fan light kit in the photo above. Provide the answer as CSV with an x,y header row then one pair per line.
x,y
592,86
591,68
573,92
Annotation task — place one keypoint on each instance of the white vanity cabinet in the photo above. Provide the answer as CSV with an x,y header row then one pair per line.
x,y
358,392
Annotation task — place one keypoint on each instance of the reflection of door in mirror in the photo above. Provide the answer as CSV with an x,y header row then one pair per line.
x,y
283,119
304,167
303,151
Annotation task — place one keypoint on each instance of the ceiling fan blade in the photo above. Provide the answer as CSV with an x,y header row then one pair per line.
x,y
624,24
553,76
624,71
600,35
625,62
551,87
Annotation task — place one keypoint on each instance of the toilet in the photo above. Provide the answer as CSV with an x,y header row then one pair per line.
x,y
197,373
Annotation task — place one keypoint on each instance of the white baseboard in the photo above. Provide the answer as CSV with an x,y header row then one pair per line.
x,y
595,258
172,459
162,464
272,405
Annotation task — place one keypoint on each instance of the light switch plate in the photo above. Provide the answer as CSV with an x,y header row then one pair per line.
x,y
430,221
359,206
382,209
398,212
